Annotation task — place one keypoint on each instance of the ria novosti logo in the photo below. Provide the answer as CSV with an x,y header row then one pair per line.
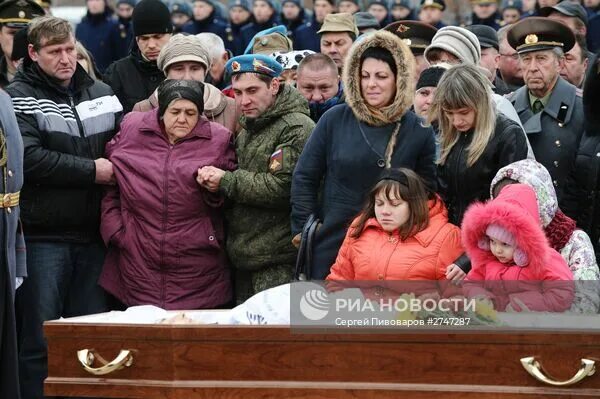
x,y
314,304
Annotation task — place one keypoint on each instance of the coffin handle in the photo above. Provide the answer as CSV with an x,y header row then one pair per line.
x,y
533,367
87,356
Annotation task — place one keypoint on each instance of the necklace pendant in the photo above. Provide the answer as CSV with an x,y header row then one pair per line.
x,y
381,163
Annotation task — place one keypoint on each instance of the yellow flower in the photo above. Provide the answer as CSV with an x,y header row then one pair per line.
x,y
485,309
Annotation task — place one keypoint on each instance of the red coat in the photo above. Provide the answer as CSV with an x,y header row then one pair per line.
x,y
377,255
545,284
164,232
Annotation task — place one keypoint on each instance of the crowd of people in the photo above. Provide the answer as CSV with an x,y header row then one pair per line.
x,y
190,155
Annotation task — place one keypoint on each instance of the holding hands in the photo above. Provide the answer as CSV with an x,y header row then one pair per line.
x,y
210,177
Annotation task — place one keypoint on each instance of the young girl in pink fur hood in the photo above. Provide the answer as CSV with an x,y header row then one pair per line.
x,y
512,263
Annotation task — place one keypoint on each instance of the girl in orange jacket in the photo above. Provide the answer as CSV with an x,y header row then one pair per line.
x,y
402,233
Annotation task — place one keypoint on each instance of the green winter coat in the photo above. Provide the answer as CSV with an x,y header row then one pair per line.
x,y
268,147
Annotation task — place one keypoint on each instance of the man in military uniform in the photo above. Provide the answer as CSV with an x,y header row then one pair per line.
x,y
275,126
549,107
14,16
485,12
12,253
418,36
431,12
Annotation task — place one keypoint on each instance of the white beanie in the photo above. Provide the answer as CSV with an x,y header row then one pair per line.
x,y
457,41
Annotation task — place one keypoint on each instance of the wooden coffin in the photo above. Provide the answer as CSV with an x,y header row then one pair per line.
x,y
212,361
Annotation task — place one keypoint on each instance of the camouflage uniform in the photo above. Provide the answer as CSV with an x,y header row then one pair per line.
x,y
259,233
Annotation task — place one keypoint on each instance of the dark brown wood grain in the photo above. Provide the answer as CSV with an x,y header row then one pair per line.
x,y
274,362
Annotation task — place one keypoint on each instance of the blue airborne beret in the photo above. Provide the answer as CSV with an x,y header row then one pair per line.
x,y
254,63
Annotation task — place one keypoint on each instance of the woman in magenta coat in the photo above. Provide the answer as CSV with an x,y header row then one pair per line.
x,y
163,230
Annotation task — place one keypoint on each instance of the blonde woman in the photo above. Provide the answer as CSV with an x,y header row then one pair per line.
x,y
84,59
475,142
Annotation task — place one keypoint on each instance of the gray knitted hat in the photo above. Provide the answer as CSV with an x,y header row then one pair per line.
x,y
458,42
183,48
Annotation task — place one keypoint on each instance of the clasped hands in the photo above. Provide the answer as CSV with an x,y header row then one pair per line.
x,y
210,177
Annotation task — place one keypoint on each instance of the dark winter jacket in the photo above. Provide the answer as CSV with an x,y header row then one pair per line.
x,y
212,24
306,37
493,21
293,24
165,233
133,79
343,158
64,131
268,148
253,28
585,192
460,185
122,38
233,38
95,33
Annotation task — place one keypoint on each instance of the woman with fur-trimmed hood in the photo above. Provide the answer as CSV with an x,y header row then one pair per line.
x,y
513,265
353,143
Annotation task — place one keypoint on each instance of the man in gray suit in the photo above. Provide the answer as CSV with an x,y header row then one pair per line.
x,y
549,107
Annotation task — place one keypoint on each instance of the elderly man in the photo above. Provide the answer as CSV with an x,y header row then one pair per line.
x,y
549,107
136,76
185,58
218,58
275,126
338,33
319,82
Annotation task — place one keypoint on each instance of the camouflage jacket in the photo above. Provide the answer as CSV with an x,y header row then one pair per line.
x,y
268,147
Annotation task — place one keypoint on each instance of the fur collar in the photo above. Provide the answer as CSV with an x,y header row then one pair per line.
x,y
405,63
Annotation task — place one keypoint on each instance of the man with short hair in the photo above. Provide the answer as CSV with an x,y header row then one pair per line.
x,y
14,16
431,12
549,107
136,76
306,36
276,124
338,32
509,67
576,63
186,58
490,55
66,118
319,82
218,58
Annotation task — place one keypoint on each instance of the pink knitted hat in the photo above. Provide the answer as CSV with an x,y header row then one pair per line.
x,y
499,233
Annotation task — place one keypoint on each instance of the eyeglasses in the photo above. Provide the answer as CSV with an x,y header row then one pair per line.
x,y
514,56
